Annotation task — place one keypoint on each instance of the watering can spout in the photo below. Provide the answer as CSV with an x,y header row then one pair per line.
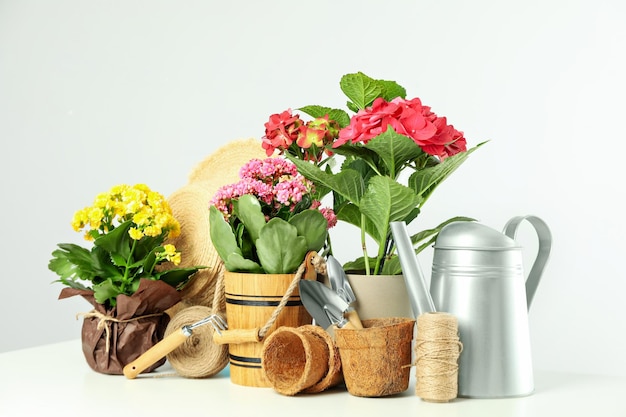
x,y
419,296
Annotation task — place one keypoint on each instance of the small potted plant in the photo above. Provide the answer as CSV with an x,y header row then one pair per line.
x,y
262,227
269,220
123,274
379,162
396,152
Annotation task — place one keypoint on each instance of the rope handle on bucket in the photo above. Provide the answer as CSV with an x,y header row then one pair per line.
x,y
308,269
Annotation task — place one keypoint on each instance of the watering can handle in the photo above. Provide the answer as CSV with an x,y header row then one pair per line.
x,y
545,244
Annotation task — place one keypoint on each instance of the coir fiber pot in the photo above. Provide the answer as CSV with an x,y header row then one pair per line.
x,y
303,359
251,299
376,360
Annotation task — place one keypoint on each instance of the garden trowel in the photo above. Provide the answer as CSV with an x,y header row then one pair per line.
x,y
327,307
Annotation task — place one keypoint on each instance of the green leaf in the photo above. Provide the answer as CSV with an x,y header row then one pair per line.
x,y
103,265
348,183
150,261
386,201
394,149
357,153
392,266
338,115
312,225
118,260
237,263
358,265
146,245
222,236
117,241
279,247
177,278
71,262
391,90
431,234
360,89
351,214
250,212
425,181
105,292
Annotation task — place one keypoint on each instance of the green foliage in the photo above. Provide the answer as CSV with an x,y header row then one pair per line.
x,y
115,264
250,244
369,190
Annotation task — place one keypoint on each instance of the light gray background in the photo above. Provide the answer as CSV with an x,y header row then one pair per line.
x,y
96,93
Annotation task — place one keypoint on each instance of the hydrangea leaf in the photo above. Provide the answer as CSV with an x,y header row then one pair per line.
x,y
347,183
386,201
424,181
394,149
340,116
360,89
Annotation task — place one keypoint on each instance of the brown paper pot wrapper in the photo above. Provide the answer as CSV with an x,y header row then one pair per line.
x,y
137,323
376,360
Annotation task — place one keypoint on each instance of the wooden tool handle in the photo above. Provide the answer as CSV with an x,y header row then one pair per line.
x,y
235,336
309,269
353,318
155,353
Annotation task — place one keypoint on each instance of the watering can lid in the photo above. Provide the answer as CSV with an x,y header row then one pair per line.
x,y
472,235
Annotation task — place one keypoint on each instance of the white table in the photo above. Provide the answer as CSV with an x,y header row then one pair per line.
x,y
56,380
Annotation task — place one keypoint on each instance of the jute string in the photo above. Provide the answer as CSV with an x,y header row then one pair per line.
x,y
104,321
320,266
198,356
318,263
437,351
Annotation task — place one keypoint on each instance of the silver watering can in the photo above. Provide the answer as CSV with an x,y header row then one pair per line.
x,y
477,275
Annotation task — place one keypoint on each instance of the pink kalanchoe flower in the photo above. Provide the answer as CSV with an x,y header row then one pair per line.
x,y
268,170
290,192
330,216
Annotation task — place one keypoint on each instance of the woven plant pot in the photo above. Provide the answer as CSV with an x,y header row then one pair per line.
x,y
301,360
376,360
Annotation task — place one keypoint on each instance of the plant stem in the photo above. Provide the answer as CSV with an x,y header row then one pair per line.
x,y
382,250
366,259
127,268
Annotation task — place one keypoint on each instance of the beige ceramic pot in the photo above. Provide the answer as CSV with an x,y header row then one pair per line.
x,y
379,296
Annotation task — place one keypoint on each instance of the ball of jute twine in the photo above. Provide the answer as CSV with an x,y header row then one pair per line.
x,y
198,356
437,351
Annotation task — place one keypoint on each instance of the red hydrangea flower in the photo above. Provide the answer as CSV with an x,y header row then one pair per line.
x,y
405,116
409,118
281,131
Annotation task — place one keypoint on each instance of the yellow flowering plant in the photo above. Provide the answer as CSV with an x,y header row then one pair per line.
x,y
128,226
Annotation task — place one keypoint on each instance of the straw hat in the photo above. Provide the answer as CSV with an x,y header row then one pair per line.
x,y
190,206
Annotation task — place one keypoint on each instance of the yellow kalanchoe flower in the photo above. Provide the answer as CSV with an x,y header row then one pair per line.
x,y
148,210
170,254
135,233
